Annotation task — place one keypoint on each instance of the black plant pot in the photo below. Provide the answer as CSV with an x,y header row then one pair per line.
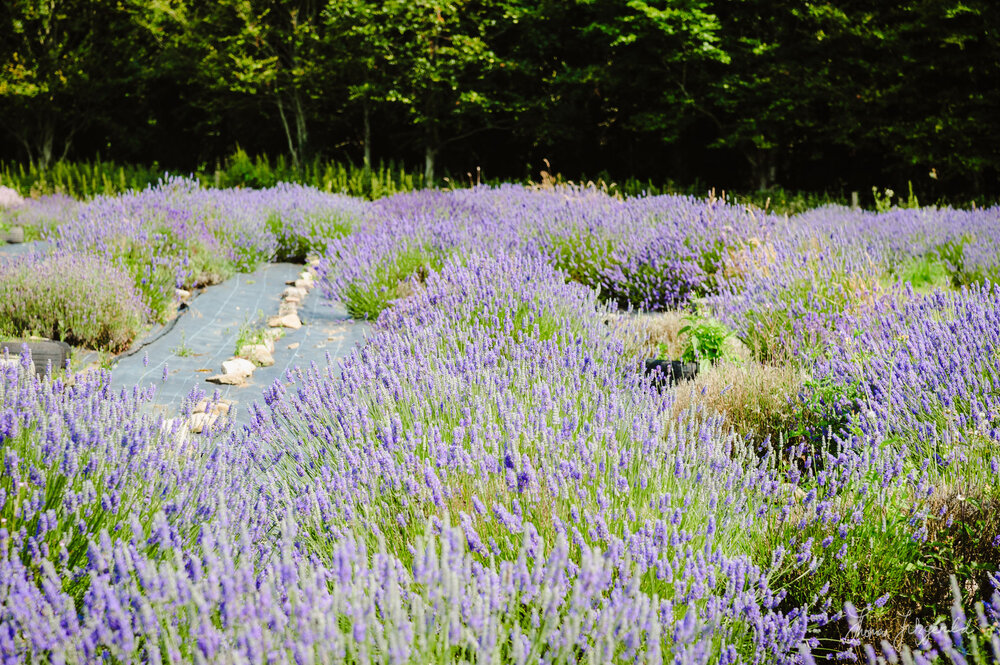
x,y
43,352
670,372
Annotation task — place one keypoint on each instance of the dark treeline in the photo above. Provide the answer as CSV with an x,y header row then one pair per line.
x,y
817,96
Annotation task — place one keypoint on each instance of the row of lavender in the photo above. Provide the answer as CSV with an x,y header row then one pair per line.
x,y
890,317
779,282
488,481
115,263
491,480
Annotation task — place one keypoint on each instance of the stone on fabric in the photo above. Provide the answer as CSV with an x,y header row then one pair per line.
x,y
258,354
235,372
285,321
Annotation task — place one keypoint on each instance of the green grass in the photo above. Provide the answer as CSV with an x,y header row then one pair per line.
x,y
182,350
84,179
899,546
66,534
367,300
924,273
298,241
89,178
251,333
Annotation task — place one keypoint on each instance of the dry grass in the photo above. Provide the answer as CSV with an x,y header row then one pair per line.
x,y
644,333
756,400
752,257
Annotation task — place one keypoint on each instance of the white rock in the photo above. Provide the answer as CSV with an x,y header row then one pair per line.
x,y
235,371
303,283
285,321
291,292
226,380
288,307
199,422
258,354
238,367
220,407
182,295
293,345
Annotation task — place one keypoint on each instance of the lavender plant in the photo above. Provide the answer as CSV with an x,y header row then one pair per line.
x,y
493,479
79,298
180,235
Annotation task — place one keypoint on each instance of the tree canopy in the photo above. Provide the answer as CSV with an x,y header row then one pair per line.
x,y
803,94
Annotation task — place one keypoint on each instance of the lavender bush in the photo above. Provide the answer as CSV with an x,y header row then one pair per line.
x,y
79,298
39,216
785,293
180,235
150,243
650,253
926,366
492,478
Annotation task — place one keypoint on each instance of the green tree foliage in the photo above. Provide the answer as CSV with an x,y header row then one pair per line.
x,y
251,52
60,63
440,66
818,94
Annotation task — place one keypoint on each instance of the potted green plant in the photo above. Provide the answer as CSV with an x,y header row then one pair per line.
x,y
705,345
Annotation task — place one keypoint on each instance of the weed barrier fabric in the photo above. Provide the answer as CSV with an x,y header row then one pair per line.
x,y
12,251
193,348
327,336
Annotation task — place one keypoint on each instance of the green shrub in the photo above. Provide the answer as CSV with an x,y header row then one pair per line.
x,y
963,271
309,236
924,273
366,298
706,341
891,549
822,411
79,298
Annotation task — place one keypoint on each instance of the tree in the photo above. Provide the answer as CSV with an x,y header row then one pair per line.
x,y
248,51
361,53
443,67
625,70
937,91
60,70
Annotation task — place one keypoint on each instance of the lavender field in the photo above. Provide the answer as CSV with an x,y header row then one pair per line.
x,y
494,477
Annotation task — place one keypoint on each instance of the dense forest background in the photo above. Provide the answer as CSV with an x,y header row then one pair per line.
x,y
817,96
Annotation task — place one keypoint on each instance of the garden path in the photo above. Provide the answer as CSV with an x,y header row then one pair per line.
x,y
18,249
195,344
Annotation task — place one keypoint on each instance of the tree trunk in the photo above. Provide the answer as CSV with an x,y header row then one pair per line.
x,y
298,141
288,131
763,170
47,136
367,139
430,153
67,144
431,147
301,129
27,148
38,138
